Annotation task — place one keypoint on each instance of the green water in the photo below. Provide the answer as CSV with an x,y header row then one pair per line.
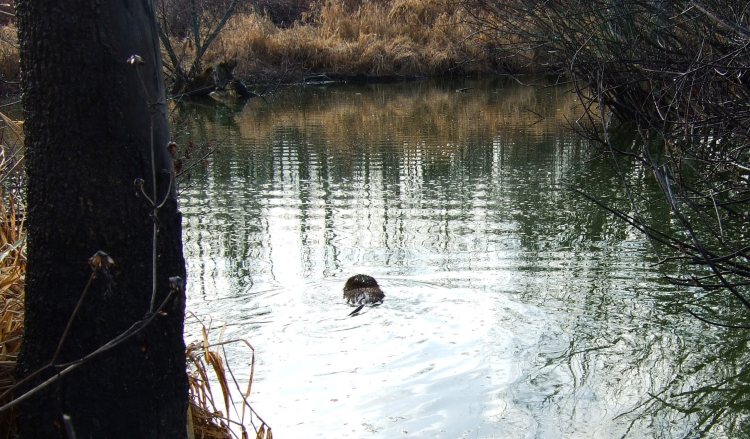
x,y
514,308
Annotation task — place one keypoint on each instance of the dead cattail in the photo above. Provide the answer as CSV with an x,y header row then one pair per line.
x,y
211,412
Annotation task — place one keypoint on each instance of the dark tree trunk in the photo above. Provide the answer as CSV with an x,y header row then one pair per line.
x,y
90,120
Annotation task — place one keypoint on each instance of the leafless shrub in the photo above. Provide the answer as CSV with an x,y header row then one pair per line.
x,y
678,71
676,74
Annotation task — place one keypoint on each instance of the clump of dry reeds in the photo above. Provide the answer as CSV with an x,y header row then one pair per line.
x,y
398,38
210,415
9,52
350,37
12,264
12,269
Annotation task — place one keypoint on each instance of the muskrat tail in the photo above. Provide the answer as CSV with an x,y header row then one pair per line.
x,y
356,311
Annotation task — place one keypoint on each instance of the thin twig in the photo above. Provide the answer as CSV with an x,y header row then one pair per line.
x,y
66,368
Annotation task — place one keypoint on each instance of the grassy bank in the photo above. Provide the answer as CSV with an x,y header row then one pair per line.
x,y
404,37
401,38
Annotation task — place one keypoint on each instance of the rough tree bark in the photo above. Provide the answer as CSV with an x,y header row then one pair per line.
x,y
90,119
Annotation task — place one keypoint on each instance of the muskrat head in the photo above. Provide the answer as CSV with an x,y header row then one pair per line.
x,y
360,281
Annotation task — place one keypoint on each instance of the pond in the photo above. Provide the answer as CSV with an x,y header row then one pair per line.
x,y
514,307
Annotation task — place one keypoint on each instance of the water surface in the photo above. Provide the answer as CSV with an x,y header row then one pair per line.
x,y
514,308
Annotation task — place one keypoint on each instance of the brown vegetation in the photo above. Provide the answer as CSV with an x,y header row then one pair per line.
x,y
12,269
210,414
292,39
9,66
12,264
398,38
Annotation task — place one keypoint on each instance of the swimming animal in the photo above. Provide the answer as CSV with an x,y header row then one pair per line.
x,y
361,290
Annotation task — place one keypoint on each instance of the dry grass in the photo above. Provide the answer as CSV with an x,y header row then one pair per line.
x,y
210,412
12,266
9,52
391,38
401,38
12,271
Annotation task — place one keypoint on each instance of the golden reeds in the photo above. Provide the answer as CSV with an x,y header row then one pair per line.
x,y
9,52
12,271
400,38
208,417
395,38
12,266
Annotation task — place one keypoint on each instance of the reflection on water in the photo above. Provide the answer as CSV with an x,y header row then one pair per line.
x,y
513,307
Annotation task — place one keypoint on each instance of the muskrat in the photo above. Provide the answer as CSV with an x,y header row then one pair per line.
x,y
362,289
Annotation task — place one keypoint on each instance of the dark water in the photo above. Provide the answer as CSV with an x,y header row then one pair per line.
x,y
514,308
